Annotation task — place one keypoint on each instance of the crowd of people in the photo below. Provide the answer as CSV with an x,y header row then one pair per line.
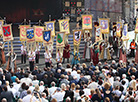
x,y
115,82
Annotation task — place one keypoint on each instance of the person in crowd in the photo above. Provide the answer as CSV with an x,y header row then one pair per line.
x,y
48,58
37,52
31,55
2,55
133,46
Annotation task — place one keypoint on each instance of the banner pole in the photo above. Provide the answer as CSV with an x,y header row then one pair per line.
x,y
8,46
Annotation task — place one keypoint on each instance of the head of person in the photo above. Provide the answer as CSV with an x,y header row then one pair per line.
x,y
43,95
4,100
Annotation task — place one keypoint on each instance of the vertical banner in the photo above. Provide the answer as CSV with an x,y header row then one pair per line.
x,y
30,35
118,30
1,24
125,36
86,22
98,34
23,32
136,28
60,39
50,26
7,32
47,37
104,23
64,26
38,31
77,37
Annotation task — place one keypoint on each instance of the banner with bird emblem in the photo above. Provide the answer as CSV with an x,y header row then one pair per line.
x,y
23,32
86,22
50,26
77,37
60,39
64,26
38,31
7,32
47,37
30,35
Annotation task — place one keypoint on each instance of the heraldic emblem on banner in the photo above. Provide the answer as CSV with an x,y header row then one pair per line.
x,y
104,23
125,36
38,33
60,39
86,21
7,32
64,26
50,26
23,32
30,35
136,28
47,38
1,23
77,37
98,34
118,30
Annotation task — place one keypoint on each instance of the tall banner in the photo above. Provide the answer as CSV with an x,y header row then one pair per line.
x,y
86,22
50,26
64,26
60,39
38,31
98,34
77,37
23,32
104,23
7,32
47,37
30,35
125,36
136,28
118,30
1,24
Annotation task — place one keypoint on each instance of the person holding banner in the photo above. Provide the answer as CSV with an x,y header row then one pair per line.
x,y
105,54
58,57
75,59
31,55
66,52
95,55
11,61
37,51
87,49
48,58
133,46
23,53
2,55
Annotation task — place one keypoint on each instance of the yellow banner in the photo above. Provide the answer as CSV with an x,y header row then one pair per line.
x,y
98,34
77,37
50,26
125,36
38,31
1,24
64,26
118,30
23,32
104,23
136,28
86,22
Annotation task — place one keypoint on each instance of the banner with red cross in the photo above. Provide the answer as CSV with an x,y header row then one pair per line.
x,y
7,32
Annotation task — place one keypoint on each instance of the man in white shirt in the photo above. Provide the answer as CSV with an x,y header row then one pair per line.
x,y
43,99
23,53
86,90
26,79
93,84
48,58
41,87
31,55
52,89
126,80
58,57
28,97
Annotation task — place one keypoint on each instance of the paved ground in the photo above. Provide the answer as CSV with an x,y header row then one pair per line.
x,y
42,62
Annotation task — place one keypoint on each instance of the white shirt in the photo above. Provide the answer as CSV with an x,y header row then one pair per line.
x,y
59,96
16,86
52,90
31,88
93,85
58,56
47,56
86,91
28,98
35,82
126,80
26,80
23,49
37,49
31,56
41,88
74,73
14,92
